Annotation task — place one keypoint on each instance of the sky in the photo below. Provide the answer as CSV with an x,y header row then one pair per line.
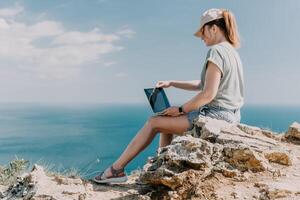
x,y
108,51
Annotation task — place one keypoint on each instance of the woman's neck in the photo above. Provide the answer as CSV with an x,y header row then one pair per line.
x,y
220,38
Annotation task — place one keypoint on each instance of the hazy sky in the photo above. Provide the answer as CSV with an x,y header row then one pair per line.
x,y
110,50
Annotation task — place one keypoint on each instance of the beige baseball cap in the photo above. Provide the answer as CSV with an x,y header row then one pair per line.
x,y
207,16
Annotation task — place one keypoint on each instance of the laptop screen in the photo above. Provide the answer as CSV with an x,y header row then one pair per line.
x,y
157,99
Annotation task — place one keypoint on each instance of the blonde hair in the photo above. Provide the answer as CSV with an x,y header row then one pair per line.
x,y
229,27
231,33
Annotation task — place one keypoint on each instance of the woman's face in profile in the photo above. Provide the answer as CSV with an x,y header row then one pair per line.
x,y
208,35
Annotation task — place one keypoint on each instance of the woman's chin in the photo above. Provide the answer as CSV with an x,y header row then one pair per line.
x,y
206,44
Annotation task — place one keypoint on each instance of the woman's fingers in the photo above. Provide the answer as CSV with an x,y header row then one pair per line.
x,y
161,84
169,112
158,83
165,112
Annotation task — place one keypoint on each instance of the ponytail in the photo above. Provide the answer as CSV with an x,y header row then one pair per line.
x,y
231,32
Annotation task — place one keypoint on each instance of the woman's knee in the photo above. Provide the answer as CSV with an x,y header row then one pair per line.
x,y
153,123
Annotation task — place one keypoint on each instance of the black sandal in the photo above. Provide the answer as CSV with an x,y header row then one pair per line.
x,y
118,176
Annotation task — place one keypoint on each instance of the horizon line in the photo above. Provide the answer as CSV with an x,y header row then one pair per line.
x,y
123,103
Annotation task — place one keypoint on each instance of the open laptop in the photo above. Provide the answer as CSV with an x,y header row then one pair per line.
x,y
157,99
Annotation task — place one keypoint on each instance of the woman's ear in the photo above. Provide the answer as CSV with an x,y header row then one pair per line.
x,y
214,28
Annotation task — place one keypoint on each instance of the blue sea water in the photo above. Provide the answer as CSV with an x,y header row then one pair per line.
x,y
90,137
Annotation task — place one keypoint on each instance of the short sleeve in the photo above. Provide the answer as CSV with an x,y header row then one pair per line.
x,y
215,57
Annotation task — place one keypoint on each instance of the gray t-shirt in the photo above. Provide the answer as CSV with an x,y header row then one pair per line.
x,y
230,94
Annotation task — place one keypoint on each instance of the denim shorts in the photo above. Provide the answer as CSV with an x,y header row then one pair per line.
x,y
231,116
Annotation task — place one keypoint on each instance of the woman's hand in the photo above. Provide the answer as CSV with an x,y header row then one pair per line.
x,y
163,84
171,111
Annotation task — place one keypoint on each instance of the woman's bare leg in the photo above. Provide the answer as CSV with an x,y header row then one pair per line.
x,y
164,124
165,139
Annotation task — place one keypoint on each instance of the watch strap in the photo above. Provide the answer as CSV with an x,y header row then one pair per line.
x,y
180,109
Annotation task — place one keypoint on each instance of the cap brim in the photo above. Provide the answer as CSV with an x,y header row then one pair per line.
x,y
198,33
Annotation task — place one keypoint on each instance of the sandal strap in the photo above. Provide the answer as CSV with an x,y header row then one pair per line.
x,y
116,172
99,177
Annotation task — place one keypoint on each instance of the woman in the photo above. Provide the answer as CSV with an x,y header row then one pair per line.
x,y
221,92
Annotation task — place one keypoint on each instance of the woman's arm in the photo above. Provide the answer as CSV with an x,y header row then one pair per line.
x,y
193,85
211,85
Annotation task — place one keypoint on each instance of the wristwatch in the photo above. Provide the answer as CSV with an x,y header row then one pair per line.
x,y
180,109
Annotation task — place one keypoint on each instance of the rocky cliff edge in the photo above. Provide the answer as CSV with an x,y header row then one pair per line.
x,y
215,160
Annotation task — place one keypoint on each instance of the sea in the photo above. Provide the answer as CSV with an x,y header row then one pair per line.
x,y
89,137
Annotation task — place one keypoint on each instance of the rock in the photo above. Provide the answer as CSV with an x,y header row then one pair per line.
x,y
234,195
253,130
282,189
37,185
215,149
229,173
293,133
244,159
278,157
186,153
222,132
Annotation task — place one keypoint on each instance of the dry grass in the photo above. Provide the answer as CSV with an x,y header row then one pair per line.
x,y
53,170
9,174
